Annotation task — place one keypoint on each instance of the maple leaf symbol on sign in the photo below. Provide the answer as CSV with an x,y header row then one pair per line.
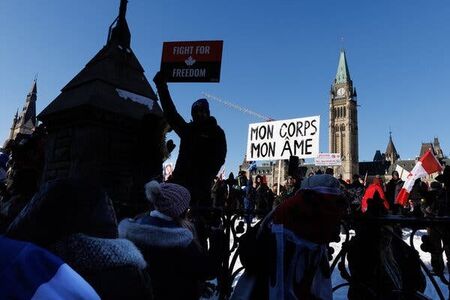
x,y
190,61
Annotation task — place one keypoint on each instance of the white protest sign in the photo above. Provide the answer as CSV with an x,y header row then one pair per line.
x,y
282,139
328,159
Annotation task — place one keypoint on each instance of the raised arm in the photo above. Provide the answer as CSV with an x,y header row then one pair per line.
x,y
174,119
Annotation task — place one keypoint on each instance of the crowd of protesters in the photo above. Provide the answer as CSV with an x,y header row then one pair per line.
x,y
61,239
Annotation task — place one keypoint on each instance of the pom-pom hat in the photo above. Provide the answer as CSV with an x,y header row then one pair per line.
x,y
168,198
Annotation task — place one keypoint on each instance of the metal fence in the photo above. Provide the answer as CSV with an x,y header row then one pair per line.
x,y
234,227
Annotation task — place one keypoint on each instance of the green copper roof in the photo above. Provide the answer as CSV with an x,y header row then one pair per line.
x,y
342,74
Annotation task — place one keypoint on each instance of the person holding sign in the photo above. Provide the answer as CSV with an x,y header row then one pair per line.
x,y
202,146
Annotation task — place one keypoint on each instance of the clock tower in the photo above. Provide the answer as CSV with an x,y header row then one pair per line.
x,y
343,125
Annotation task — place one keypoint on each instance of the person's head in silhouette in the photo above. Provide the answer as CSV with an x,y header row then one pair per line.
x,y
375,206
200,111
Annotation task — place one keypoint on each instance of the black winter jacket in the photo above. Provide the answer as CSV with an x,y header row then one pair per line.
x,y
202,151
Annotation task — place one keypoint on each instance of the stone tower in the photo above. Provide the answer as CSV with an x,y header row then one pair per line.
x,y
106,125
25,122
343,126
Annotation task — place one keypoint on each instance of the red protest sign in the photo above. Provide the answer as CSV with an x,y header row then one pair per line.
x,y
192,61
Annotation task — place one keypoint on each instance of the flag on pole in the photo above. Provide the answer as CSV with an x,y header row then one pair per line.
x,y
252,166
426,165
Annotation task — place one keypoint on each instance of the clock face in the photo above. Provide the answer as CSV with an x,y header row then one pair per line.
x,y
340,92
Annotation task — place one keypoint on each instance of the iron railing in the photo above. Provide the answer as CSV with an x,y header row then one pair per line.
x,y
234,226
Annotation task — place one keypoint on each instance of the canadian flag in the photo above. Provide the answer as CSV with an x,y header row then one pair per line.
x,y
426,165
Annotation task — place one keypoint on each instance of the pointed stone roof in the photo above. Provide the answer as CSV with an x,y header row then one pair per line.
x,y
113,79
425,147
378,156
28,114
435,146
25,122
391,153
342,74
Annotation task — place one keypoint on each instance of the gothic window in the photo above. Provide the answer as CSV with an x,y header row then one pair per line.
x,y
345,112
343,144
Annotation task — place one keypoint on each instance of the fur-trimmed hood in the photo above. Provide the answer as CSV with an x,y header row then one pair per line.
x,y
87,253
147,235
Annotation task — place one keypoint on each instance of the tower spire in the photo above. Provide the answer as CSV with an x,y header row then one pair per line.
x,y
33,90
342,74
391,153
25,122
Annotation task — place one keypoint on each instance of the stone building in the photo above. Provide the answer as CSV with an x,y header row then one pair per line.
x,y
106,125
25,122
343,120
384,164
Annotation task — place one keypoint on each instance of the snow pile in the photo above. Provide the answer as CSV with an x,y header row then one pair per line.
x,y
135,98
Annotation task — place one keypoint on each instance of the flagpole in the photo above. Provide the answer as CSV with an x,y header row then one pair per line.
x,y
279,177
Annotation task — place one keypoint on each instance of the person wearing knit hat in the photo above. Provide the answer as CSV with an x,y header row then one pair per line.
x,y
177,264
306,222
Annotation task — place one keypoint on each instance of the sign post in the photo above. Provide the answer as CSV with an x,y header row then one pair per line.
x,y
192,61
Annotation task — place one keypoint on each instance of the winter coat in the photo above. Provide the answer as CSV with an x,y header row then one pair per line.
x,y
75,220
202,151
287,257
393,187
176,263
439,202
114,267
30,272
375,187
264,199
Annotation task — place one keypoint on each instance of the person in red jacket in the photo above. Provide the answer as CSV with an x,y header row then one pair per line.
x,y
376,186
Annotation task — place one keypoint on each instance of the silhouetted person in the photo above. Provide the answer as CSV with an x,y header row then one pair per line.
x,y
75,220
329,171
202,145
437,204
379,263
393,187
177,264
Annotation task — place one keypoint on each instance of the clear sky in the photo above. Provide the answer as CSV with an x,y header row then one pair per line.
x,y
280,58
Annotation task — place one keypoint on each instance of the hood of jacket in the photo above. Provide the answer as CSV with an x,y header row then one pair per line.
x,y
150,235
86,253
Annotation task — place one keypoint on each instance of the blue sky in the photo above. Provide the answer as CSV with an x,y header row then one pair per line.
x,y
280,58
